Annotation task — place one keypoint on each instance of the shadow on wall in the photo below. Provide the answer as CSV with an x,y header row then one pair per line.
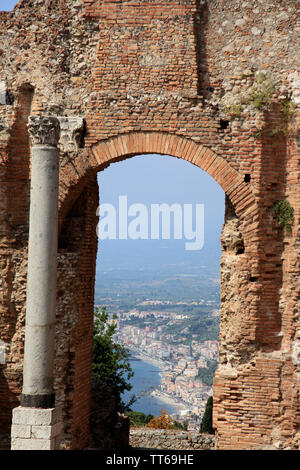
x,y
109,429
200,25
19,160
12,400
272,190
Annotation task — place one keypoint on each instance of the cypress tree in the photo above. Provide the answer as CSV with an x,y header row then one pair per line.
x,y
206,423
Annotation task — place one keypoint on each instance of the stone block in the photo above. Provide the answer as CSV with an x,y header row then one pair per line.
x,y
33,444
36,429
46,432
22,431
35,416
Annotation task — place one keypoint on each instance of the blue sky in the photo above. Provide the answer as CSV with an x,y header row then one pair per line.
x,y
156,179
159,179
7,5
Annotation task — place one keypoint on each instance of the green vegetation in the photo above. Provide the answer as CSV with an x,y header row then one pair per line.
x,y
233,109
127,290
139,419
285,214
110,360
262,92
124,291
203,327
200,324
180,427
206,374
259,132
206,423
288,109
281,130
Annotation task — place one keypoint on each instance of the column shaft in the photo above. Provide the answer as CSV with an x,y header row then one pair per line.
x,y
41,280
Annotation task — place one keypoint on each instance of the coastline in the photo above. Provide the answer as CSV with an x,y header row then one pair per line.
x,y
156,393
168,400
154,362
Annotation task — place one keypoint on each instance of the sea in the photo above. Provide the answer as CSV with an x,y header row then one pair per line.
x,y
146,378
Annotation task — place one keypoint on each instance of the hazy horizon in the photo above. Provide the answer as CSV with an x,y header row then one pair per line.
x,y
150,179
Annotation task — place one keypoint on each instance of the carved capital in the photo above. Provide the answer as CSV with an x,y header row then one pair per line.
x,y
44,130
71,130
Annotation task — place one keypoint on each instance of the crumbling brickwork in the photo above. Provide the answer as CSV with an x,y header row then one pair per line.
x,y
214,82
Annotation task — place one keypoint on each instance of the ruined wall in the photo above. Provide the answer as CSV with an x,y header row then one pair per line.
x,y
216,83
170,440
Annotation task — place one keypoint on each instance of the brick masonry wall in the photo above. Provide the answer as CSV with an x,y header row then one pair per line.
x,y
169,78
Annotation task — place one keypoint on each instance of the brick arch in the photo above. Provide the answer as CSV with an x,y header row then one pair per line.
x,y
128,145
75,175
78,181
81,171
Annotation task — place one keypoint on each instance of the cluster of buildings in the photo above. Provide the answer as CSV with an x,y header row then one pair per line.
x,y
180,364
169,302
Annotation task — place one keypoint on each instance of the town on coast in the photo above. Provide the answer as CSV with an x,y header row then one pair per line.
x,y
179,364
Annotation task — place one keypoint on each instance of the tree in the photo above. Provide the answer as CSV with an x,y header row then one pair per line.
x,y
138,419
110,360
180,426
206,423
206,374
164,421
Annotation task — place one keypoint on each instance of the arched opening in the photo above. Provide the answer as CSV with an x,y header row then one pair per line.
x,y
164,289
79,202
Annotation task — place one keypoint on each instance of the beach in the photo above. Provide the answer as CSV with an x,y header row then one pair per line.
x,y
146,379
163,397
158,394
160,364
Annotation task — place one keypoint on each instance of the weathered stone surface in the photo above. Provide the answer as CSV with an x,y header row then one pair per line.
x,y
167,439
20,431
36,429
33,444
46,432
36,417
71,130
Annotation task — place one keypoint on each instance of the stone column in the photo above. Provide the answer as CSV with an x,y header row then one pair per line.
x,y
36,423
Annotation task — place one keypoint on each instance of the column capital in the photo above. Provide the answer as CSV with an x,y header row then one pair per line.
x,y
44,130
71,130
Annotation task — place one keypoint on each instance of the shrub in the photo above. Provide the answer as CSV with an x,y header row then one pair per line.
x,y
234,110
285,214
179,426
262,92
288,109
164,421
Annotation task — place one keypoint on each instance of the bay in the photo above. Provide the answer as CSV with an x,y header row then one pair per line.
x,y
146,378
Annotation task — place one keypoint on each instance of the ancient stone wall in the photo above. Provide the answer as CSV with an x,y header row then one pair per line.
x,y
216,83
170,440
